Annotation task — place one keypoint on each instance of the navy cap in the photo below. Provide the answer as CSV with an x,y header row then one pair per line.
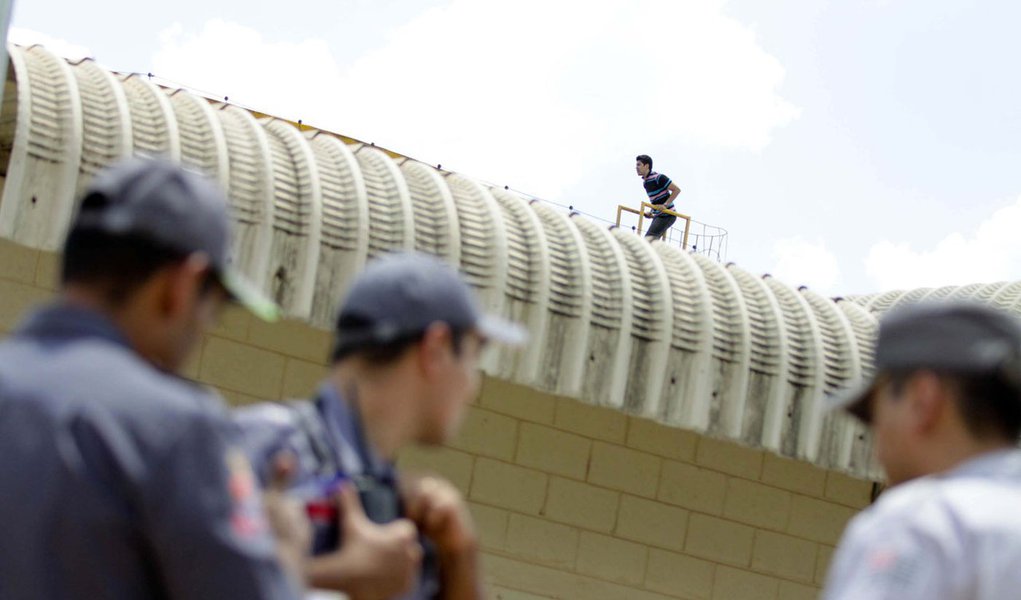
x,y
175,208
398,296
951,337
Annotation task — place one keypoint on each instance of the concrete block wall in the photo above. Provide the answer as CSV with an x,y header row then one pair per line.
x,y
571,500
575,501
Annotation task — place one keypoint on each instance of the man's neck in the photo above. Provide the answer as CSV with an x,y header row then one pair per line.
x,y
380,401
948,455
126,319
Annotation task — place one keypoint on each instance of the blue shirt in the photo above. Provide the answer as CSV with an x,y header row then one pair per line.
x,y
119,481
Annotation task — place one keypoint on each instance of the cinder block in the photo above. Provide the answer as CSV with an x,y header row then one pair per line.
x,y
757,504
17,300
190,369
237,398
797,591
719,541
242,368
609,558
581,504
679,575
652,523
517,401
508,486
499,593
822,563
661,440
728,457
301,378
490,524
508,572
794,475
291,338
553,451
817,520
453,465
784,555
691,487
487,433
17,262
551,544
849,491
637,594
233,324
47,271
624,469
733,583
591,421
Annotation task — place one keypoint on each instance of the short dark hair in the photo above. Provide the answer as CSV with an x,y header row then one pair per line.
x,y
116,264
645,159
989,404
385,354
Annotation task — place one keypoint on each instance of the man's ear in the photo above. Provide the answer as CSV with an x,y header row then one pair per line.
x,y
928,399
434,348
181,283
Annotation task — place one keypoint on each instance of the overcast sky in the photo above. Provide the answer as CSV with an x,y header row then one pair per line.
x,y
852,147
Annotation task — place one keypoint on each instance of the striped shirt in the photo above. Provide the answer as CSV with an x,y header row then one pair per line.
x,y
657,186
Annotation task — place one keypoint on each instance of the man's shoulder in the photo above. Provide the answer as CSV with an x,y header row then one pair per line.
x,y
934,506
98,380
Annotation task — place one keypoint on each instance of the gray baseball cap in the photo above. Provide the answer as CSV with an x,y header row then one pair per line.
x,y
398,296
175,208
949,337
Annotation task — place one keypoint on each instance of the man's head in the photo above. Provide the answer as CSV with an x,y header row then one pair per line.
x,y
643,165
412,314
150,246
947,384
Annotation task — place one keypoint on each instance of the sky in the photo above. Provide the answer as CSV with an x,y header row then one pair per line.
x,y
852,147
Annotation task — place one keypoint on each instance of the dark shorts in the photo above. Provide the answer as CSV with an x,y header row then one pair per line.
x,y
660,223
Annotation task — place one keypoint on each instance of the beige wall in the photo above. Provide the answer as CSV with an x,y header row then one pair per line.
x,y
572,501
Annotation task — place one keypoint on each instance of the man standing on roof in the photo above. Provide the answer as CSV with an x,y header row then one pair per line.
x,y
945,411
404,367
661,191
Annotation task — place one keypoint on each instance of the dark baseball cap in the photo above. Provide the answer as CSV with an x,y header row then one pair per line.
x,y
175,208
947,337
398,296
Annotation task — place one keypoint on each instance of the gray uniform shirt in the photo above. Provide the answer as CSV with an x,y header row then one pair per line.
x,y
327,438
118,481
953,536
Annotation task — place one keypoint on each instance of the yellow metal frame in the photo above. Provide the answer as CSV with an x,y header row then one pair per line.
x,y
658,207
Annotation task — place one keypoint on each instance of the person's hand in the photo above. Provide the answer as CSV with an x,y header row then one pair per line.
x,y
440,512
286,516
373,562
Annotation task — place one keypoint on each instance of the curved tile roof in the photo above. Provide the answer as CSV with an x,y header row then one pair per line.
x,y
615,321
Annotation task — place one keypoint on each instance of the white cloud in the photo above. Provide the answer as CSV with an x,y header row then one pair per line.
x,y
532,89
992,252
798,261
28,37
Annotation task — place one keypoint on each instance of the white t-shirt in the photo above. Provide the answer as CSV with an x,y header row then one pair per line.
x,y
956,535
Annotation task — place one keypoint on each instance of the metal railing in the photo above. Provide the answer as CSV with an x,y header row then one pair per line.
x,y
697,237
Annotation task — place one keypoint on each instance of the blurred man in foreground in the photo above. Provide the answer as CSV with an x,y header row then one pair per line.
x,y
945,410
120,479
